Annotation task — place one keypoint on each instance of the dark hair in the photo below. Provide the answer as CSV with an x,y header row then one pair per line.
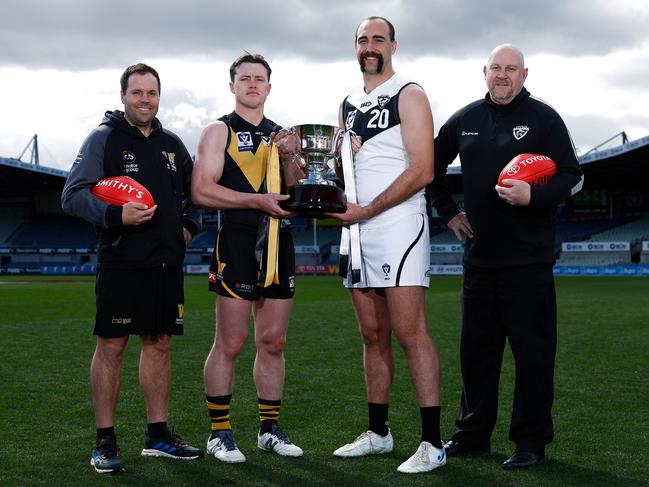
x,y
376,17
249,58
139,68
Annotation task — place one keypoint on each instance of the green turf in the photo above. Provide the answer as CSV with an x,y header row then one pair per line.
x,y
47,426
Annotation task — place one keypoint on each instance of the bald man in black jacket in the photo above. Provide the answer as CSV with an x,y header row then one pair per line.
x,y
508,284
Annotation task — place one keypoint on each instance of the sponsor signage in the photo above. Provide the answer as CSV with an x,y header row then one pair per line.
x,y
445,270
595,246
610,270
67,269
447,249
5,250
197,269
316,269
306,249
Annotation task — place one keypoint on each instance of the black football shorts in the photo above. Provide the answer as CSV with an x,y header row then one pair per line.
x,y
234,271
139,302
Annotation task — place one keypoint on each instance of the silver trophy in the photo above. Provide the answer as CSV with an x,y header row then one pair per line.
x,y
316,194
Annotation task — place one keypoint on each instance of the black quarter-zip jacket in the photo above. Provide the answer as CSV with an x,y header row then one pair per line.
x,y
487,136
161,163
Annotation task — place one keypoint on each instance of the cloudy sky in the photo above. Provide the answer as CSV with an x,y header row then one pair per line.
x,y
60,60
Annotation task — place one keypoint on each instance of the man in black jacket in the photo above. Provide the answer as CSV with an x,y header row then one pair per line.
x,y
508,285
139,289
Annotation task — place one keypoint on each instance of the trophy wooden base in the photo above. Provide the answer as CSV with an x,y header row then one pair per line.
x,y
313,200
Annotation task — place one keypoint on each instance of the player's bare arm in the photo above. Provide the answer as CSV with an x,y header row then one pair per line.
x,y
208,169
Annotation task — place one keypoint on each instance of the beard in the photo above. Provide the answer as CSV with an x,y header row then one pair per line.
x,y
379,61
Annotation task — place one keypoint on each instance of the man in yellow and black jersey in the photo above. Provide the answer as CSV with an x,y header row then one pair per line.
x,y
238,171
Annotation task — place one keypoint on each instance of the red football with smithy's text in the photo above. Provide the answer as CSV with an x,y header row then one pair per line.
x,y
119,190
535,169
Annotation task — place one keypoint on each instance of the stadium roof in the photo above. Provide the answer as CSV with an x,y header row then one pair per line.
x,y
623,166
18,178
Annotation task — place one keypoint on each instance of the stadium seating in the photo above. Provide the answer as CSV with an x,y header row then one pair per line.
x,y
580,231
205,238
54,231
632,232
11,220
446,237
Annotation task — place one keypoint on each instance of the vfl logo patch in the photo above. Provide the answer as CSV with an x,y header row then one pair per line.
x,y
520,131
265,139
386,270
244,141
382,100
350,120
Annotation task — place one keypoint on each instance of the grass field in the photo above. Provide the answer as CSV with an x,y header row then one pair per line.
x,y
47,426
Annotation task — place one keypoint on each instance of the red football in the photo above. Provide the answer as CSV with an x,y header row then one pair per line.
x,y
119,190
536,169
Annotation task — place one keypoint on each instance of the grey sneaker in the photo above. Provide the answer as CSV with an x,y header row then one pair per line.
x,y
105,456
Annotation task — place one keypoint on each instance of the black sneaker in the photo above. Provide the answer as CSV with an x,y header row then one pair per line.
x,y
170,446
105,456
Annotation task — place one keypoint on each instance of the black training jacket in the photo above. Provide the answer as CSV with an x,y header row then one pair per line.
x,y
487,136
161,163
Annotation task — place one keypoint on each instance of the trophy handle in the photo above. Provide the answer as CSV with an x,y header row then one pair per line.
x,y
293,166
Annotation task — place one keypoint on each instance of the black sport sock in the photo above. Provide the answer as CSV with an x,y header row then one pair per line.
x,y
430,425
110,431
157,430
378,418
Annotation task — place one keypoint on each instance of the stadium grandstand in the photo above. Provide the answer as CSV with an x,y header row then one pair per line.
x,y
603,230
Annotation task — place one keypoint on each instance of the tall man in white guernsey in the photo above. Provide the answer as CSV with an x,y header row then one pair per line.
x,y
393,162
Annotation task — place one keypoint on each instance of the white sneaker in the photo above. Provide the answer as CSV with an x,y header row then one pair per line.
x,y
276,441
425,459
368,443
224,448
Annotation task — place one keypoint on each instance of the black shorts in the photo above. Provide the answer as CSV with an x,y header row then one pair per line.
x,y
234,271
139,302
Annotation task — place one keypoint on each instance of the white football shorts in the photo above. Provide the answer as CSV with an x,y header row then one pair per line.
x,y
394,253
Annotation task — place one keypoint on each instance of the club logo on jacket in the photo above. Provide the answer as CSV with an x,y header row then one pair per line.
x,y
520,131
382,100
128,156
171,160
130,165
244,141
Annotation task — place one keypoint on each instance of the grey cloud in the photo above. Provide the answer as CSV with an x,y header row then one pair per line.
x,y
77,34
590,131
